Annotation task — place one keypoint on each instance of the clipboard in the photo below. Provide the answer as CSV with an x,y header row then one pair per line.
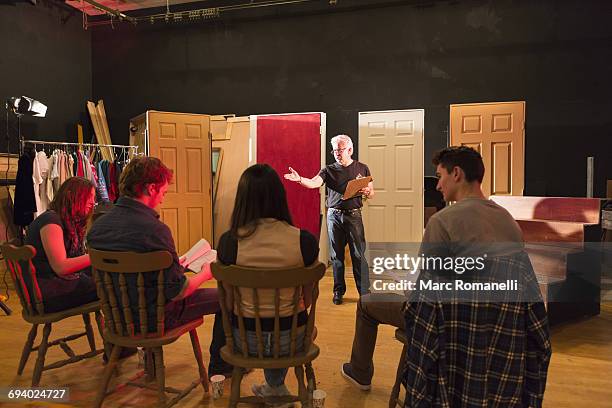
x,y
354,186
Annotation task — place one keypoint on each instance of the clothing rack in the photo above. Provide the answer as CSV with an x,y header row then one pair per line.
x,y
37,142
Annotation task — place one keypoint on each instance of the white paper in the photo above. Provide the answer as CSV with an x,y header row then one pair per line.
x,y
199,255
207,258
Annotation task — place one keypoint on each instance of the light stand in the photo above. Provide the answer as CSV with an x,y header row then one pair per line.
x,y
19,135
19,106
23,105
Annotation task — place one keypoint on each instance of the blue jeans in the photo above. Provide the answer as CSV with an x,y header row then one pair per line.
x,y
343,229
274,376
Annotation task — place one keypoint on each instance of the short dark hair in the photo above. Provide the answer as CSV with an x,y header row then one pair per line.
x,y
260,194
141,171
468,159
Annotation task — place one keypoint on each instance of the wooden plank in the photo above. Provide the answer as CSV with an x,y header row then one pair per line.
x,y
93,115
79,134
104,128
573,209
95,121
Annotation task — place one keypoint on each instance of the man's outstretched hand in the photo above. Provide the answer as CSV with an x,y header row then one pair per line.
x,y
293,176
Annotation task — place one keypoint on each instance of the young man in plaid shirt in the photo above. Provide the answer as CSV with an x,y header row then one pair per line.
x,y
485,352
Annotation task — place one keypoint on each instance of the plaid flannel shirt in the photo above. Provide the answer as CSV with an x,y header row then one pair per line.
x,y
478,354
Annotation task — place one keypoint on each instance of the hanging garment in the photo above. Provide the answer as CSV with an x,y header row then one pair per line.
x,y
63,169
25,203
102,192
49,181
39,177
87,170
105,172
55,172
113,190
79,164
71,164
118,170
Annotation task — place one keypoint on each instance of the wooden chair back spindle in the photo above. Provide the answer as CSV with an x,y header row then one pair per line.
x,y
239,279
125,266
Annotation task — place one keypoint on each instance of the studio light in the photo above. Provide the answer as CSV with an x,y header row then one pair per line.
x,y
22,105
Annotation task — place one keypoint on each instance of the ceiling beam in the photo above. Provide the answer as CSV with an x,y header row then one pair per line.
x,y
108,10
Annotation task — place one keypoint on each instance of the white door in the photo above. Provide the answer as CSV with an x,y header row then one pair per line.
x,y
391,144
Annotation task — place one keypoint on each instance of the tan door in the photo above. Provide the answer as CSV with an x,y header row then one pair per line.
x,y
497,131
182,141
391,144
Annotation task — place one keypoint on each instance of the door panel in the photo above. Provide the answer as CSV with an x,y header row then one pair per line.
x,y
501,168
293,140
168,156
404,222
391,144
496,131
375,231
182,142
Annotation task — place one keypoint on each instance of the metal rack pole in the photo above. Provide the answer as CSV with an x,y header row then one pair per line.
x,y
78,144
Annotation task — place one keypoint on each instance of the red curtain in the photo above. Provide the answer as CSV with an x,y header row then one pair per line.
x,y
294,140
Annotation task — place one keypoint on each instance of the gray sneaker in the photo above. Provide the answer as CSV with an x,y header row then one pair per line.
x,y
347,373
266,390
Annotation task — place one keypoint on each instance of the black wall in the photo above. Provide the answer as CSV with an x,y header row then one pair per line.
x,y
554,54
44,54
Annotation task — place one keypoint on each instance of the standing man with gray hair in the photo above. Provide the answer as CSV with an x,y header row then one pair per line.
x,y
344,224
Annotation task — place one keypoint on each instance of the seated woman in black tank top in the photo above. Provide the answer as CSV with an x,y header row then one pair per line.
x,y
262,235
62,266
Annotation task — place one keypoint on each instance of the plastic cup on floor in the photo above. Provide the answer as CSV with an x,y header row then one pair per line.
x,y
217,382
318,398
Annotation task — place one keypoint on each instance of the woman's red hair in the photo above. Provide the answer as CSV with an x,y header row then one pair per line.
x,y
70,203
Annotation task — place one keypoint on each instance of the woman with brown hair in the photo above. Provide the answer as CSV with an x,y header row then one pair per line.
x,y
61,264
262,235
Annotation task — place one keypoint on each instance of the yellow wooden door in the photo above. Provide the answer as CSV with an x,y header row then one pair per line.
x,y
182,141
497,131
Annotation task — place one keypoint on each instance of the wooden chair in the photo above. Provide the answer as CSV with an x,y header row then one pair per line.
x,y
235,278
395,400
121,330
19,263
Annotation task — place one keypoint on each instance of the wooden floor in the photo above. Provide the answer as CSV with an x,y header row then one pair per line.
x,y
579,374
